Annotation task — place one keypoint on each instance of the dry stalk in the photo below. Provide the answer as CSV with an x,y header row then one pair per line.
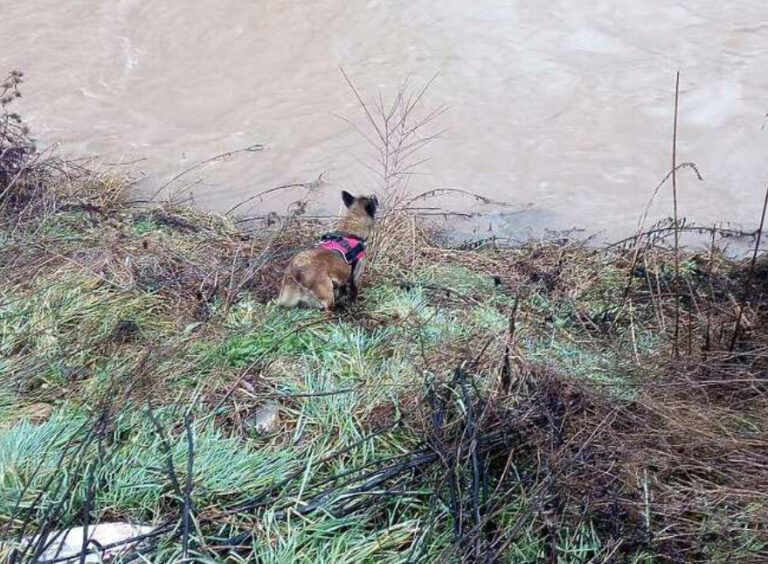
x,y
674,204
399,137
750,273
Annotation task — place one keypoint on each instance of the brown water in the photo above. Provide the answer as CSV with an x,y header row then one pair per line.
x,y
563,108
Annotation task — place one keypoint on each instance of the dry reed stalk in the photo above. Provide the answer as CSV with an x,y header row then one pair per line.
x,y
674,204
750,273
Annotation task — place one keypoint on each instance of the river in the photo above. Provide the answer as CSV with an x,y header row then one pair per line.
x,y
562,109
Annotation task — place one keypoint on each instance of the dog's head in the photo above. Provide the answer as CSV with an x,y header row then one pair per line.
x,y
359,214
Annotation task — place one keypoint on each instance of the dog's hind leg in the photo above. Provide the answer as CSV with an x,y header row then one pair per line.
x,y
323,292
290,296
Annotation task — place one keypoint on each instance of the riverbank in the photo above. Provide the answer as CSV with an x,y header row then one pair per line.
x,y
544,402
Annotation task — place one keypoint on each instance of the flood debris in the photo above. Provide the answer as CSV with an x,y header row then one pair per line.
x,y
264,420
97,543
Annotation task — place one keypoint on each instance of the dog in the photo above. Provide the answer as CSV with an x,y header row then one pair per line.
x,y
321,276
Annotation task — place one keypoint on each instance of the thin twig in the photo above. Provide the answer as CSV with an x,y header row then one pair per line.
x,y
677,233
317,183
748,282
440,191
249,149
167,449
188,486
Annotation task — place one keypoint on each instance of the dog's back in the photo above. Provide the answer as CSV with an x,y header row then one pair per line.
x,y
312,278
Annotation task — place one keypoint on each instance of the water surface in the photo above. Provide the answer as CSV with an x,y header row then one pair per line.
x,y
560,108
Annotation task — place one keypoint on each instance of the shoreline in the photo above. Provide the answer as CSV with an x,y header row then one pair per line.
x,y
480,402
112,310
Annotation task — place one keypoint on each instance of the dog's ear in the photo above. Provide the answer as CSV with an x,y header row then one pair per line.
x,y
348,198
371,206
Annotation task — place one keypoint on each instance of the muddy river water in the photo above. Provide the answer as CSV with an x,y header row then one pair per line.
x,y
562,109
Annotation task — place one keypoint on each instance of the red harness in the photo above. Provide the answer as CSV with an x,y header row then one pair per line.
x,y
351,248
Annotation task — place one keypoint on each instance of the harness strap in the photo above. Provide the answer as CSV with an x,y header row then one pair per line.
x,y
351,248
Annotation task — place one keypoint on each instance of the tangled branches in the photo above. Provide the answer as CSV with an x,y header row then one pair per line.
x,y
16,148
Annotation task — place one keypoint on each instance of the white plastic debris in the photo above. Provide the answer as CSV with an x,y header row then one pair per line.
x,y
66,547
265,419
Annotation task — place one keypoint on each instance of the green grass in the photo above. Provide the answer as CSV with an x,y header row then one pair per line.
x,y
354,369
132,481
359,368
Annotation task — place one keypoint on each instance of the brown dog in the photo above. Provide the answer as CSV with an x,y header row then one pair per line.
x,y
319,276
